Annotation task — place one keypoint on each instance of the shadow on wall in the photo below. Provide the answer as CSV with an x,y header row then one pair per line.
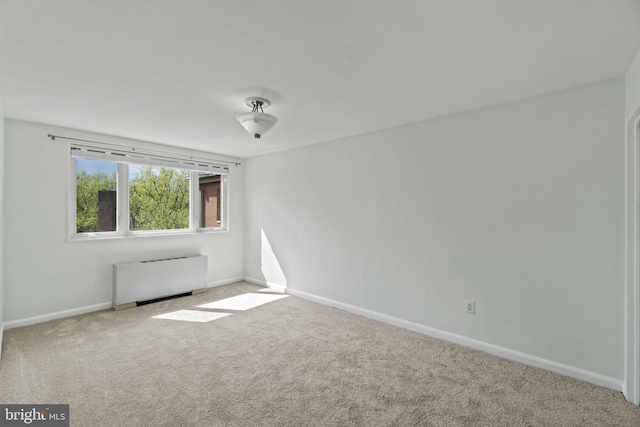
x,y
271,270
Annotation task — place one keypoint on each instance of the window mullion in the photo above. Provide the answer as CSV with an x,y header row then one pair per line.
x,y
123,198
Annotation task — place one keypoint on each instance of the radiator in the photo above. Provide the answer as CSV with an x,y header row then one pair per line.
x,y
135,283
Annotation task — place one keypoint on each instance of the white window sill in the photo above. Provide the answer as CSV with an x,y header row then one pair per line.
x,y
88,237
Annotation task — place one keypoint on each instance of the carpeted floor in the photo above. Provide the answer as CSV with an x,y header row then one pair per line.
x,y
289,362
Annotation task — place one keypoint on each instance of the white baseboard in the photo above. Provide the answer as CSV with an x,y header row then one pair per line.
x,y
256,281
224,282
88,309
276,287
58,315
527,359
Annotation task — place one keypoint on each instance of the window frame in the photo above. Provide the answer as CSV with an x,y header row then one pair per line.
x,y
122,197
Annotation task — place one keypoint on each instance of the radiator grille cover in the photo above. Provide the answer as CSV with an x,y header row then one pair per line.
x,y
146,280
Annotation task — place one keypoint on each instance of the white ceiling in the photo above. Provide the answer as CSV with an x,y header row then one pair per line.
x,y
176,71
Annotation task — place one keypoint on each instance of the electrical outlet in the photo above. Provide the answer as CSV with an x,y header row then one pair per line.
x,y
469,306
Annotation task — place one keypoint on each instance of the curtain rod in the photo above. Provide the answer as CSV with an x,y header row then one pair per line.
x,y
144,150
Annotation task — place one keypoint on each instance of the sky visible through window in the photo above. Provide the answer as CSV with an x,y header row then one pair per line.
x,y
134,170
92,166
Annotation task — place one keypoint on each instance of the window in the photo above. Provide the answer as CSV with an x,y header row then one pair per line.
x,y
119,193
158,198
209,185
96,194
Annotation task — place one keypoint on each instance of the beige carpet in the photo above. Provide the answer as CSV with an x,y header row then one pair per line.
x,y
289,362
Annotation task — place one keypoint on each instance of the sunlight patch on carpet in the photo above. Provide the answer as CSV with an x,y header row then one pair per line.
x,y
243,302
192,316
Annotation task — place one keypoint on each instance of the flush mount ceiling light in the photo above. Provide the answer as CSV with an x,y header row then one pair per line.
x,y
257,122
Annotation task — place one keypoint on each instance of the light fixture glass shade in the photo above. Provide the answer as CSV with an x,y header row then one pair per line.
x,y
256,124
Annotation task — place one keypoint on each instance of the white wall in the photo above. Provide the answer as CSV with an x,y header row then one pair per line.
x,y
631,387
1,222
519,207
43,272
632,87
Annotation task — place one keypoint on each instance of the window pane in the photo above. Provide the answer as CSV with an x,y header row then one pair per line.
x,y
96,186
210,200
158,198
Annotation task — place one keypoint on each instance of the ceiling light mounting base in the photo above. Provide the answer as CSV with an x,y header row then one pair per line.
x,y
254,101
